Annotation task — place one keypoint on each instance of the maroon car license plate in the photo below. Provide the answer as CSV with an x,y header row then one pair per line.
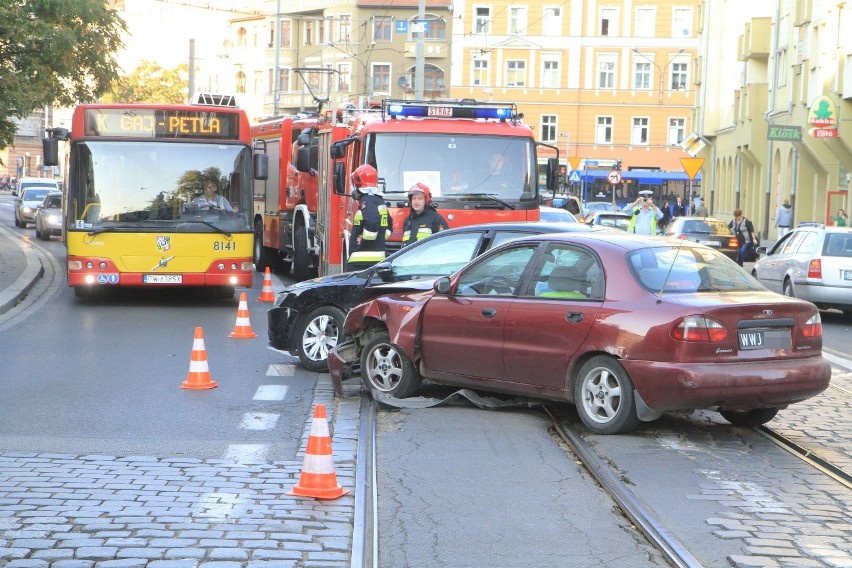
x,y
764,339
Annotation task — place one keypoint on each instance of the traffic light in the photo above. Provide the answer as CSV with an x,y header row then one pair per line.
x,y
617,165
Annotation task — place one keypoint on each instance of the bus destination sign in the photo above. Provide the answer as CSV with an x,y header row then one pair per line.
x,y
161,123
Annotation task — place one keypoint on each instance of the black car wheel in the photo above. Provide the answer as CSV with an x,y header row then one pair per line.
x,y
603,394
749,418
387,369
318,333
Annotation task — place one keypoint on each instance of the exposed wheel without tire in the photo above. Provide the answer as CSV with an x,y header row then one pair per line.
x,y
318,333
749,418
387,369
603,393
788,289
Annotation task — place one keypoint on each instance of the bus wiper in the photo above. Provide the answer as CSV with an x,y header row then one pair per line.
x,y
110,228
493,198
209,224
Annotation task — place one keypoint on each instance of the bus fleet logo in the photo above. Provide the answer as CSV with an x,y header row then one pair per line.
x,y
164,243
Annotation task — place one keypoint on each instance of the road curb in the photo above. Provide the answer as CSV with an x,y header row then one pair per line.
x,y
33,270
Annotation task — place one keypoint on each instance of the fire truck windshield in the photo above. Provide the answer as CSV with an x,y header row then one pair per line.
x,y
127,185
456,167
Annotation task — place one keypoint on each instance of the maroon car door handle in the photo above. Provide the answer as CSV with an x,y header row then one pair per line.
x,y
574,316
489,312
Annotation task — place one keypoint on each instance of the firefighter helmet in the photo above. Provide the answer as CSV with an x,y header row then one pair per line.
x,y
365,175
420,188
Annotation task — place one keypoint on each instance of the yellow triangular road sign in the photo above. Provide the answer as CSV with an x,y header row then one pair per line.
x,y
691,166
575,163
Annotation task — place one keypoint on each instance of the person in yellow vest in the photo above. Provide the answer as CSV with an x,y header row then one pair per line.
x,y
423,219
644,216
372,224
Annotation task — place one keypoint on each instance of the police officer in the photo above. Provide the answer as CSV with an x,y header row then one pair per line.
x,y
372,224
423,219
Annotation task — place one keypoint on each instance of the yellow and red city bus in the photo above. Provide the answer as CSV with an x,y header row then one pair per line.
x,y
134,211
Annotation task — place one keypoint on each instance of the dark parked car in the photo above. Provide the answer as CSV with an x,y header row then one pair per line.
x,y
624,326
706,231
307,316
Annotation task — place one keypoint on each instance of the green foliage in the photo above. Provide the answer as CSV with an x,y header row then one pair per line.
x,y
57,53
150,83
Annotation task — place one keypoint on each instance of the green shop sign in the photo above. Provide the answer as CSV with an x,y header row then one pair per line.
x,y
787,133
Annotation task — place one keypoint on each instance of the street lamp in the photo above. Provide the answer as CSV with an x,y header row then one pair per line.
x,y
662,71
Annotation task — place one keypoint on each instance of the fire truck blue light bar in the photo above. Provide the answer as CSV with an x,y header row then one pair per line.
x,y
449,111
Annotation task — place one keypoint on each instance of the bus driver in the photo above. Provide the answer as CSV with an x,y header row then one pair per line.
x,y
210,200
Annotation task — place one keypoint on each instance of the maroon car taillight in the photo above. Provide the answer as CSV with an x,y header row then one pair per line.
x,y
813,327
815,269
699,329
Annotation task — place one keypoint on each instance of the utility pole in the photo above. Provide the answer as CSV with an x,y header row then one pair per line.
x,y
276,79
191,92
419,65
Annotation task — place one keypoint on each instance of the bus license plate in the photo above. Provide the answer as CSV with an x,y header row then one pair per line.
x,y
163,279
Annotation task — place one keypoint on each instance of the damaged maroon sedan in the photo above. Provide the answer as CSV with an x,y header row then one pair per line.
x,y
625,327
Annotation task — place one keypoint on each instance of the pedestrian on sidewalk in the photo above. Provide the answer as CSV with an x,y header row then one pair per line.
x,y
784,218
744,231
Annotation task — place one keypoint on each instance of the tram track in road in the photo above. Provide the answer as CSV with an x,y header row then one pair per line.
x,y
809,456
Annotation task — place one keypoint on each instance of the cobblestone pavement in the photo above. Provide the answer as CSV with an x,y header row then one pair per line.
x,y
98,511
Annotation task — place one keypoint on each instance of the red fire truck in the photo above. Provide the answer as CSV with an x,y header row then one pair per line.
x,y
479,160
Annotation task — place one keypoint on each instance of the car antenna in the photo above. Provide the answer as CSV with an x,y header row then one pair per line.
x,y
669,273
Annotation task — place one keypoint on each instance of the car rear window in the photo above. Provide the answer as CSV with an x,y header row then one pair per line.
x,y
838,244
36,192
683,269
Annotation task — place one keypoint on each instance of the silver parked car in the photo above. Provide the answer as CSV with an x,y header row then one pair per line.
x,y
48,216
813,262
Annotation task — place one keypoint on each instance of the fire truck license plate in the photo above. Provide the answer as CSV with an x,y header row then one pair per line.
x,y
440,111
163,279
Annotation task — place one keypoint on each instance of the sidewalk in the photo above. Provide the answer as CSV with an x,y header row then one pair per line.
x,y
20,268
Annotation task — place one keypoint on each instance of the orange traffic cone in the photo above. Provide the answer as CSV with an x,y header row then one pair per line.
x,y
266,294
318,478
199,373
242,329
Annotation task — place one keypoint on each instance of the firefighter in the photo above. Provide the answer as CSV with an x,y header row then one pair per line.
x,y
372,224
423,219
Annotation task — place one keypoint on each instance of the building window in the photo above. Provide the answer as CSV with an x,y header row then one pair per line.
x,y
603,130
516,73
552,23
645,22
382,29
678,76
344,77
271,42
682,22
345,27
433,80
517,19
241,37
550,74
436,28
609,23
309,33
642,76
480,72
241,82
606,72
284,80
781,66
285,33
381,78
482,20
640,131
548,128
320,32
677,131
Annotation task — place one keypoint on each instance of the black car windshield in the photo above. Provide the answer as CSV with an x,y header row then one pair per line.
x,y
440,256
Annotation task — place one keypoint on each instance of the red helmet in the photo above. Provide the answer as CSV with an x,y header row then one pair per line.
x,y
365,175
420,188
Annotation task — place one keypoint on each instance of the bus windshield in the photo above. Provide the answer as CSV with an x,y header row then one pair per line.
x,y
455,167
130,185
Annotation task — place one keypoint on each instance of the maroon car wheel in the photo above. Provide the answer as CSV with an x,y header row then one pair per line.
x,y
603,394
387,369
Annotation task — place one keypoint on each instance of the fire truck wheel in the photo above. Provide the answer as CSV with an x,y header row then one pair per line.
x,y
301,258
263,256
318,333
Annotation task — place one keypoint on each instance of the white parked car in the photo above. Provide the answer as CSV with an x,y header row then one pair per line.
x,y
813,262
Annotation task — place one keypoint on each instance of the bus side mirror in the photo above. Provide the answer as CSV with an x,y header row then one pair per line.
x,y
552,174
340,178
50,150
260,164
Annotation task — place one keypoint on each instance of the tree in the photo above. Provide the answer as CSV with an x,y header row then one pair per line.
x,y
150,83
54,53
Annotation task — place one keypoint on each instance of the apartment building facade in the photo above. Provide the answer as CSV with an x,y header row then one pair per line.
x,y
774,103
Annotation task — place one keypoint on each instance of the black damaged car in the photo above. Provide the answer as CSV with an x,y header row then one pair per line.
x,y
307,317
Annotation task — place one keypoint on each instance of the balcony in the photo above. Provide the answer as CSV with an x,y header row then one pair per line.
x,y
754,43
431,49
